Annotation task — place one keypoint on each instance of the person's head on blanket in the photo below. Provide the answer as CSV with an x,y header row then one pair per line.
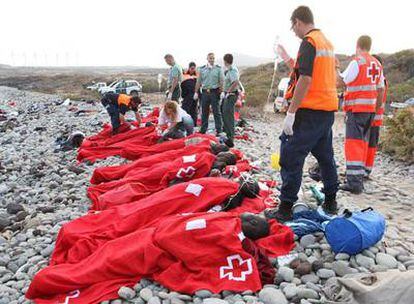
x,y
254,226
248,187
224,159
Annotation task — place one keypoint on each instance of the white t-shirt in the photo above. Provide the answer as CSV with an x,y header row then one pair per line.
x,y
351,73
164,119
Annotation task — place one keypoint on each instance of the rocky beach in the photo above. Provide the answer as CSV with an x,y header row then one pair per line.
x,y
42,188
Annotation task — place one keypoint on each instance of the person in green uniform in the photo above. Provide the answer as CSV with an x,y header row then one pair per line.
x,y
229,97
175,76
211,83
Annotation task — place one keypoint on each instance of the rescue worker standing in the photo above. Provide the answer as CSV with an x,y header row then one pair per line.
x,y
211,83
308,124
362,99
189,104
375,127
117,105
230,94
175,76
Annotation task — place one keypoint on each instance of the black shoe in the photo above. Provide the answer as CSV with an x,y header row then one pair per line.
x,y
229,143
282,214
349,188
330,208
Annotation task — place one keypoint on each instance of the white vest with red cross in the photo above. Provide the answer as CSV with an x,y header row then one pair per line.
x,y
361,94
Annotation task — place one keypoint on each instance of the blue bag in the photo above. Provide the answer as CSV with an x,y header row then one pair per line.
x,y
353,232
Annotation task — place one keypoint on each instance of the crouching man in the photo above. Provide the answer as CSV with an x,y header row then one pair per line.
x,y
117,105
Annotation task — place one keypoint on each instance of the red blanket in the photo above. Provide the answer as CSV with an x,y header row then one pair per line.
x,y
105,133
127,135
139,183
239,167
152,117
106,174
136,152
141,137
185,253
80,237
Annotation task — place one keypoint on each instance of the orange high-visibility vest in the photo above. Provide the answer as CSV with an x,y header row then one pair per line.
x,y
124,99
322,94
379,116
361,94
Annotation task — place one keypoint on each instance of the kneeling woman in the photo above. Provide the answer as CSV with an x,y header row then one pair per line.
x,y
180,123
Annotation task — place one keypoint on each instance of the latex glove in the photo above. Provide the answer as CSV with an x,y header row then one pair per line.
x,y
288,123
195,97
169,96
222,95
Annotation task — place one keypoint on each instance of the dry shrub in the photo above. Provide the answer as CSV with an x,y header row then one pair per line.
x,y
398,135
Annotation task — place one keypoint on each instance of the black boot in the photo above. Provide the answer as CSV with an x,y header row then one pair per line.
x,y
349,188
330,206
282,214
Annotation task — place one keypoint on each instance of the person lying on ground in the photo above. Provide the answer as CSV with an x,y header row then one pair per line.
x,y
141,183
82,236
185,253
110,173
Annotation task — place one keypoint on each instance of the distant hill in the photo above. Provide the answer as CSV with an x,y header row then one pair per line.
x,y
398,67
243,60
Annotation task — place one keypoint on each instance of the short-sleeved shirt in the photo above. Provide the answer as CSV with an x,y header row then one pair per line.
x,y
306,57
175,71
230,76
164,119
352,71
211,77
112,98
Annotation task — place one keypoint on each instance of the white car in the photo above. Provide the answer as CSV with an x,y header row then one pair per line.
x,y
96,86
130,87
280,101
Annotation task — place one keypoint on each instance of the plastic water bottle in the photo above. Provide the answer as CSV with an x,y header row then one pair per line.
x,y
320,197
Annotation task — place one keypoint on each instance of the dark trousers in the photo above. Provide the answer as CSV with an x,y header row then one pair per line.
x,y
191,107
312,133
228,115
358,128
176,94
113,112
212,99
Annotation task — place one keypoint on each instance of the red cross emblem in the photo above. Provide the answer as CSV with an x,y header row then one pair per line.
x,y
186,172
373,72
71,295
236,269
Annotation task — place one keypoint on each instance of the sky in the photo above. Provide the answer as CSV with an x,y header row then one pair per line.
x,y
139,33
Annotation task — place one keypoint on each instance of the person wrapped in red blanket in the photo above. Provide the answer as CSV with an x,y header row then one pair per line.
x,y
133,136
82,236
133,152
139,183
145,136
110,173
184,253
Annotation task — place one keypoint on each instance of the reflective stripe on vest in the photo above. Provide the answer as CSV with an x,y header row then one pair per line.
x,y
361,101
363,88
325,53
378,117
